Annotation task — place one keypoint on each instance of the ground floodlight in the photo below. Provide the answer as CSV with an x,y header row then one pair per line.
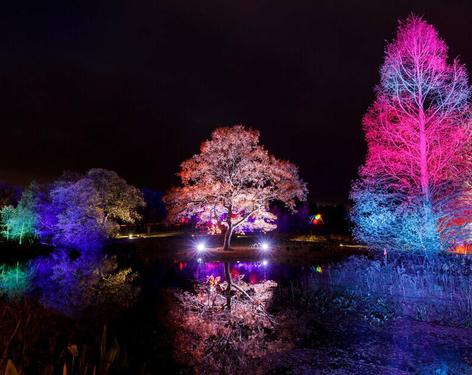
x,y
265,246
201,246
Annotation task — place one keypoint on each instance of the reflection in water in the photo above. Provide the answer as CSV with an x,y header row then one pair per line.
x,y
72,285
212,339
14,280
250,272
94,283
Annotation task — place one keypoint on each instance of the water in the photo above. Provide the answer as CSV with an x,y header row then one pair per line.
x,y
85,292
71,283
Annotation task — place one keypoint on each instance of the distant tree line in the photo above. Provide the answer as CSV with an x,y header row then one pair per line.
x,y
77,210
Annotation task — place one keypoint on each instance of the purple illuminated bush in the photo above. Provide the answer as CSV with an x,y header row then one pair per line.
x,y
82,211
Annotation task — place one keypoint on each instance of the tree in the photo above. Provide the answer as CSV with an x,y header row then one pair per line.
x,y
82,211
417,132
19,223
117,200
229,185
75,218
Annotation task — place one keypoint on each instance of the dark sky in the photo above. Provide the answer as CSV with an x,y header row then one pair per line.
x,y
135,86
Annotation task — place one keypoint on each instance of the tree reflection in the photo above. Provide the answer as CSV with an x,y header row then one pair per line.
x,y
211,338
73,284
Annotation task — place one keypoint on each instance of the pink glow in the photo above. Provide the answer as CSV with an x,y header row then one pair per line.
x,y
418,129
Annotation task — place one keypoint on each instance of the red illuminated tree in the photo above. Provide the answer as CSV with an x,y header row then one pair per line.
x,y
418,132
229,185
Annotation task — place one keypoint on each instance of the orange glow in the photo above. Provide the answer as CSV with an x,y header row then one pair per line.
x,y
463,249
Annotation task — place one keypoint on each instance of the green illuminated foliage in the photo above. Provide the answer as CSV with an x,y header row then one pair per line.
x,y
19,223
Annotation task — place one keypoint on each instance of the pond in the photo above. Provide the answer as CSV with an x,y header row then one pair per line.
x,y
69,298
69,282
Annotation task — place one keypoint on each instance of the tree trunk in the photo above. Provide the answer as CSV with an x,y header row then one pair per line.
x,y
429,226
228,288
424,173
21,232
229,231
227,241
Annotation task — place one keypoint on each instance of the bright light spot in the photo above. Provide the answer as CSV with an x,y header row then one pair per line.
x,y
319,269
265,262
201,246
130,236
265,246
199,260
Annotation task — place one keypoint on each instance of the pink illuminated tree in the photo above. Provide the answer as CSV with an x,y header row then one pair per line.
x,y
418,132
229,185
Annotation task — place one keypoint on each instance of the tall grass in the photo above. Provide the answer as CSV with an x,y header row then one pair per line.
x,y
424,288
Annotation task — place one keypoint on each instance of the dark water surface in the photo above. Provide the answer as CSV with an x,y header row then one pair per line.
x,y
61,280
131,297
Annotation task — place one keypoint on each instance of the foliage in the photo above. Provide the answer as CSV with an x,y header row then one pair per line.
x,y
11,369
418,135
214,340
117,200
422,288
104,357
82,211
383,225
231,182
20,222
75,219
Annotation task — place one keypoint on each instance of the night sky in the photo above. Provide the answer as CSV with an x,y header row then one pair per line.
x,y
135,86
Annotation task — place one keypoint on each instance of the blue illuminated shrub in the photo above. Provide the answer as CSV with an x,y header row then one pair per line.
x,y
381,223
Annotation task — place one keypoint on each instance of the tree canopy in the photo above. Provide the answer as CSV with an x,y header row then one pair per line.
x,y
418,135
80,211
20,222
229,185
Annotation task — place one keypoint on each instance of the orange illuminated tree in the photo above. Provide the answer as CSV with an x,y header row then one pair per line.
x,y
229,185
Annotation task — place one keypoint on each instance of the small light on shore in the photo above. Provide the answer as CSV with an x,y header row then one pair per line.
x,y
265,246
265,262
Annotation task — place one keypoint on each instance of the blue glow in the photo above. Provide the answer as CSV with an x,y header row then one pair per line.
x,y
381,222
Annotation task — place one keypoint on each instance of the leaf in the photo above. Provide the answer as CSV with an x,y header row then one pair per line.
x,y
11,369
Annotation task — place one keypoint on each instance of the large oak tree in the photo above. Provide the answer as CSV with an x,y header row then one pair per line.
x,y
229,185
